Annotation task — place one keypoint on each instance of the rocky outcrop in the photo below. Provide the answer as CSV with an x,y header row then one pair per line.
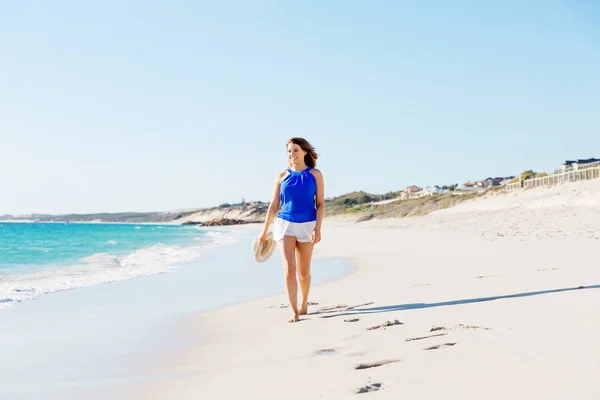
x,y
227,215
219,222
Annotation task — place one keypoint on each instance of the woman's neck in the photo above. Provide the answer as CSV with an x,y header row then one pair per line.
x,y
299,167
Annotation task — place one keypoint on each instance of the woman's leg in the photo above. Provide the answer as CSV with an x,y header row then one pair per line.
x,y
288,247
304,252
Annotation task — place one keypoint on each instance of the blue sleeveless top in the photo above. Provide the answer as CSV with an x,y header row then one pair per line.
x,y
297,197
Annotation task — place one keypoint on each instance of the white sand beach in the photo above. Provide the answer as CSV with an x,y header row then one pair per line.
x,y
494,299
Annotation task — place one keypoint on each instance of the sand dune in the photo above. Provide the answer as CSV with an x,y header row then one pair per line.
x,y
573,194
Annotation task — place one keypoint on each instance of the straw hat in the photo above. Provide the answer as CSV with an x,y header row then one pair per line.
x,y
263,251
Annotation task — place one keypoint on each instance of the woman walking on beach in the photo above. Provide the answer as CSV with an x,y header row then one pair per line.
x,y
296,212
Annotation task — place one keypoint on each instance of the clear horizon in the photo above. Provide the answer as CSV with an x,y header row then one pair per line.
x,y
144,107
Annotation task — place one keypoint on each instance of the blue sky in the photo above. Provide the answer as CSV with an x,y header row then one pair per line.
x,y
154,106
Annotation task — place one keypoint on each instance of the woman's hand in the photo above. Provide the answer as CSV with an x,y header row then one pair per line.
x,y
262,237
316,236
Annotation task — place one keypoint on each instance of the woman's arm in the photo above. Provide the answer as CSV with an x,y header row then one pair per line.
x,y
273,206
320,204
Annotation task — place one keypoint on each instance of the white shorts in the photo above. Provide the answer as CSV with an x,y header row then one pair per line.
x,y
301,230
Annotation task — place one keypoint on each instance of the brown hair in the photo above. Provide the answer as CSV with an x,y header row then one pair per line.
x,y
310,158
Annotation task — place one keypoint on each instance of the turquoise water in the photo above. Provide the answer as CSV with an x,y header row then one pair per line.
x,y
91,343
37,258
38,244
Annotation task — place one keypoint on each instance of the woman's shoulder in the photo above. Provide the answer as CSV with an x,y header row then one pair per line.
x,y
281,174
316,172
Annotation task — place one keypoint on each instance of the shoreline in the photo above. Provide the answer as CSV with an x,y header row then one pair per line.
x,y
96,266
429,301
104,334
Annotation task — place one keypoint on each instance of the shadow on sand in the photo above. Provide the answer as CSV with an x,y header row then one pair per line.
x,y
415,306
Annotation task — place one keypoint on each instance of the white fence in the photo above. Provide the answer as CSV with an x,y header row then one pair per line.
x,y
577,167
569,176
513,186
588,171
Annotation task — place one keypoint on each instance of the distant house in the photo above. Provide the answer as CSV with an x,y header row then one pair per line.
x,y
506,180
410,192
431,190
468,186
492,182
481,183
576,164
498,181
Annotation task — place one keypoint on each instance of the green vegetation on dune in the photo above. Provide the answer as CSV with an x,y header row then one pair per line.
x,y
364,205
355,202
420,206
530,174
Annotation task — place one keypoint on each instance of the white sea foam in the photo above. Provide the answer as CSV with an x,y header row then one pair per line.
x,y
105,267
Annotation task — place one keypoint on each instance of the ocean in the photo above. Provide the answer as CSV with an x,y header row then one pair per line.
x,y
40,258
84,308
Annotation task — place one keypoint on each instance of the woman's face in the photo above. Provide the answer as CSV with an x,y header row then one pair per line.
x,y
295,154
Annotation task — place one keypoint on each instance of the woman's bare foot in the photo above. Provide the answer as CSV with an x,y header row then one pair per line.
x,y
303,308
294,318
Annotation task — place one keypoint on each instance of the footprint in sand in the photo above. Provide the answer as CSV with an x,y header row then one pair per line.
x,y
373,387
438,328
375,364
460,326
486,276
310,303
474,327
385,325
344,307
325,352
439,346
426,337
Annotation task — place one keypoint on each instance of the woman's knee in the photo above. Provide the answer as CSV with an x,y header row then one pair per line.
x,y
303,275
289,268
